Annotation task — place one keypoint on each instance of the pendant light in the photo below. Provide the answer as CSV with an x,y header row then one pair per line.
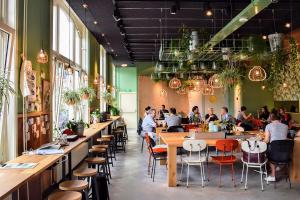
x,y
257,73
175,83
215,82
181,91
42,56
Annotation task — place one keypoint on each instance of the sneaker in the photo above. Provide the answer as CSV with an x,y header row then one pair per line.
x,y
270,179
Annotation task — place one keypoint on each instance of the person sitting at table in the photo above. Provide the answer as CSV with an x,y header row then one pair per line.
x,y
195,116
149,124
173,119
210,116
162,112
274,131
264,113
284,117
225,117
147,109
244,120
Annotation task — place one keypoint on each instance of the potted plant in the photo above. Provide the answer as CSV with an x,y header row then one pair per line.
x,y
96,116
230,76
5,88
114,111
87,93
71,98
108,98
77,127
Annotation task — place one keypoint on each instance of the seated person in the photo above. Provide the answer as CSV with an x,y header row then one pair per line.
x,y
162,111
147,111
284,117
210,117
264,113
195,116
225,117
173,119
149,124
275,131
244,120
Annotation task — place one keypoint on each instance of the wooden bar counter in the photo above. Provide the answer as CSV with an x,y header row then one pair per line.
x,y
12,179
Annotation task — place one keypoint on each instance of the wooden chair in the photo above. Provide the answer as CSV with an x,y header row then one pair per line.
x,y
65,195
226,147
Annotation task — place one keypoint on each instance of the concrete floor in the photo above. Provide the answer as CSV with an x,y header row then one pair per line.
x,y
131,182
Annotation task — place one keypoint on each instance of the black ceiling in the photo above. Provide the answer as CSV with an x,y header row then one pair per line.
x,y
145,21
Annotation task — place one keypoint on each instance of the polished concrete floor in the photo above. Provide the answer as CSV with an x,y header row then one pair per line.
x,y
131,182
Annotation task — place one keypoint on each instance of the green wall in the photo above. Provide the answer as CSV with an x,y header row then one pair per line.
x,y
126,79
38,29
253,97
94,70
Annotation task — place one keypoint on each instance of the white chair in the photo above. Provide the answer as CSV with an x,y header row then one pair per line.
x,y
254,156
194,146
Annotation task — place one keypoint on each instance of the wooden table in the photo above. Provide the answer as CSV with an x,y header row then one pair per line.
x,y
12,179
175,140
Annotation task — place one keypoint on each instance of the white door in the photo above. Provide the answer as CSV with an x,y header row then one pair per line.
x,y
128,108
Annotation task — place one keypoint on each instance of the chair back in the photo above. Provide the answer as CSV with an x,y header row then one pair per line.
x,y
194,145
175,129
149,143
254,151
281,150
226,145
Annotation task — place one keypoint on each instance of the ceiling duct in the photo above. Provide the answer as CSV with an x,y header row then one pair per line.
x,y
255,7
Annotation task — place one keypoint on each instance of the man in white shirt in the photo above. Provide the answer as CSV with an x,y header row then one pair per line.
x,y
149,124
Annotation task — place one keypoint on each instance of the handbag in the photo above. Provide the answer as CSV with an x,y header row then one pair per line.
x,y
258,157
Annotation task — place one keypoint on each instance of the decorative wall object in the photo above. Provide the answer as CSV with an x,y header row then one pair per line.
x,y
175,83
215,82
257,73
31,82
163,93
181,91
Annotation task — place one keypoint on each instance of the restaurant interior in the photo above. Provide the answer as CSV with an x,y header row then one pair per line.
x,y
149,99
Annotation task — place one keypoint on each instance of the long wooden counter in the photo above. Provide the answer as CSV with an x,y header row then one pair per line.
x,y
12,179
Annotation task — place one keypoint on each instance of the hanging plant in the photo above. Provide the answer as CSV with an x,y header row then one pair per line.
x,y
108,98
230,76
87,93
6,88
71,98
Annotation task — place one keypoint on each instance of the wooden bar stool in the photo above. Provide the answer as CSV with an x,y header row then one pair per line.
x,y
97,163
109,153
110,141
102,152
86,173
120,140
65,195
75,185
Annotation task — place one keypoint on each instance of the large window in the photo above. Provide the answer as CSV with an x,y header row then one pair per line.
x,y
69,37
8,69
103,74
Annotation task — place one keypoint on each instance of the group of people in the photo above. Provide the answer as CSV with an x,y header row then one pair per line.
x,y
275,123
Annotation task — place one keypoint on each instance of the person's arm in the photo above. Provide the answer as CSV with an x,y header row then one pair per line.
x,y
267,135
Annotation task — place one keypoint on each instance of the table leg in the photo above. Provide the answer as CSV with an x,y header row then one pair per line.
x,y
172,166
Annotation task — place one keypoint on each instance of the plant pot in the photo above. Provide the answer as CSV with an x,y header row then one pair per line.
x,y
96,119
79,130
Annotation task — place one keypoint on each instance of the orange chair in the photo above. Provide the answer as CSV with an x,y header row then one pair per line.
x,y
190,126
226,147
158,152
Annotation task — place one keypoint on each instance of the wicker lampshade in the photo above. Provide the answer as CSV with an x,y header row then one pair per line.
x,y
215,82
42,57
175,83
257,73
199,81
207,90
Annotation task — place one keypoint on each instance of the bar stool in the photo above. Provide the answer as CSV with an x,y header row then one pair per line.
x,y
101,152
75,185
97,163
108,151
86,173
123,126
120,140
65,195
110,141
